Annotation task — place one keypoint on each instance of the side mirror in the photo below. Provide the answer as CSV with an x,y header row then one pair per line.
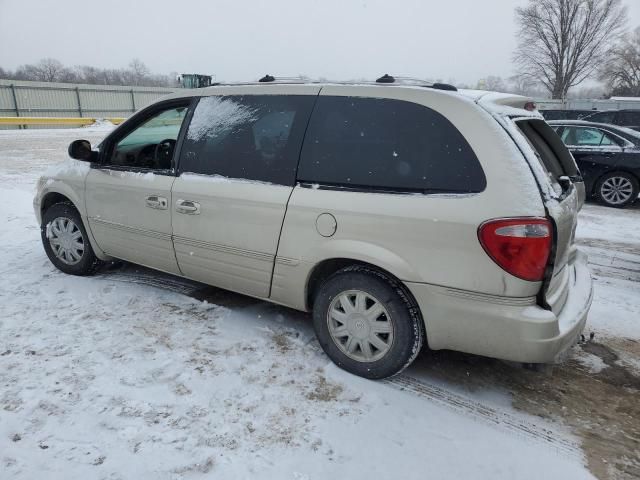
x,y
81,150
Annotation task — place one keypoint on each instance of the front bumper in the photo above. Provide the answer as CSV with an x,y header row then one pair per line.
x,y
514,329
36,209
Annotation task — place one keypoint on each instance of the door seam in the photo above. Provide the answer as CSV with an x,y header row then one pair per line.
x,y
295,184
173,243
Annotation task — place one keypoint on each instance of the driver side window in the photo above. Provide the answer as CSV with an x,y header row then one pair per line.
x,y
151,144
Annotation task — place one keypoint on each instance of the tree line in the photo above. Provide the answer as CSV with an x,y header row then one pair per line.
x,y
52,70
562,43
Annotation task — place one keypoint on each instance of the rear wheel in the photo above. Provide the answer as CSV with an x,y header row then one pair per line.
x,y
617,189
366,323
65,240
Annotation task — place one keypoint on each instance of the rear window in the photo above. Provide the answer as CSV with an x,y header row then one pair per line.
x,y
587,137
384,144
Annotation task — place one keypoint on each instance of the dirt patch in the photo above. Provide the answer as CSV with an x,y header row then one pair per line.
x,y
282,341
601,405
324,391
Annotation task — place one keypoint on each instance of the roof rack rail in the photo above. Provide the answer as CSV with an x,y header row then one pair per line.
x,y
386,78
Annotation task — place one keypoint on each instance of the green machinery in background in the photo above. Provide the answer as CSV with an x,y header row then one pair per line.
x,y
194,80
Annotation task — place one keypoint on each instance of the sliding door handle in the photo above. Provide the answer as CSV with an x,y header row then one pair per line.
x,y
157,202
188,207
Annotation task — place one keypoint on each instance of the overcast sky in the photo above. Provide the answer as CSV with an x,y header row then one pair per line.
x,y
461,40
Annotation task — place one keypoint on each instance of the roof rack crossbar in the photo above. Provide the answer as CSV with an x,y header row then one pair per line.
x,y
414,80
388,79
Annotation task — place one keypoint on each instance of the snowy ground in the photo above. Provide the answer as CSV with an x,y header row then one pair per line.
x,y
136,374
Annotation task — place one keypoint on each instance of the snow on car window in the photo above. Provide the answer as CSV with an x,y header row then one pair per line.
x,y
215,116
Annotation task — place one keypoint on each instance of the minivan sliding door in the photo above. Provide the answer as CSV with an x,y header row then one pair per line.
x,y
237,169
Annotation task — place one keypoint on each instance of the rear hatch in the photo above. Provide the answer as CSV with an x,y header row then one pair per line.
x,y
560,184
562,201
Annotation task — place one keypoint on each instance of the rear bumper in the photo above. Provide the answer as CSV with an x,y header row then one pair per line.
x,y
514,329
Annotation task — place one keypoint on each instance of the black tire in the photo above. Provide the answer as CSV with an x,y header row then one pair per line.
x,y
88,261
606,180
408,328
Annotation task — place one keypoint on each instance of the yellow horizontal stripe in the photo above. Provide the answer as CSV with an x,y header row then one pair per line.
x,y
55,120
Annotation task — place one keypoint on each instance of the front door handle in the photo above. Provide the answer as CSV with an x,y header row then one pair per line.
x,y
188,207
157,202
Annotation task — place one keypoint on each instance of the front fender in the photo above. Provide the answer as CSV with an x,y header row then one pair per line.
x,y
72,187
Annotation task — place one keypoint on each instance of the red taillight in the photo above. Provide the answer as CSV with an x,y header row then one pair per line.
x,y
521,246
530,106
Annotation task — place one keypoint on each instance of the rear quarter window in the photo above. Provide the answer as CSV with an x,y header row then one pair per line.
x,y
383,144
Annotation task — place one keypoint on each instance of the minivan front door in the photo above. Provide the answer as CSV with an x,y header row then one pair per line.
x,y
128,194
237,170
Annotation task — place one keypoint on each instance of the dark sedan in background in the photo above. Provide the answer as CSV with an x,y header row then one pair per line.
x,y
565,114
622,118
608,157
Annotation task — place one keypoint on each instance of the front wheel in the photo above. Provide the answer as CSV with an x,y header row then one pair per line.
x,y
366,323
66,242
617,189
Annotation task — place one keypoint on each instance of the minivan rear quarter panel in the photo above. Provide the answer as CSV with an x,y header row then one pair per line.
x,y
429,239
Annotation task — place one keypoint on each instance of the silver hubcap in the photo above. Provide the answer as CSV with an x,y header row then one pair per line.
x,y
360,326
616,190
66,240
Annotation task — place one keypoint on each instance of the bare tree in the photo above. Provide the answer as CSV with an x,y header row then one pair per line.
x,y
492,83
49,70
563,42
621,72
525,85
138,71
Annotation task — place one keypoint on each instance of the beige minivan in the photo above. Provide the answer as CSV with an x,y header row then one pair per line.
x,y
398,212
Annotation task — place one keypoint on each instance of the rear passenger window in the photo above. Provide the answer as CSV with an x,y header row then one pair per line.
x,y
254,137
586,137
386,144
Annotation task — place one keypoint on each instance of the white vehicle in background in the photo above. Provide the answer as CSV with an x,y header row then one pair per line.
x,y
398,212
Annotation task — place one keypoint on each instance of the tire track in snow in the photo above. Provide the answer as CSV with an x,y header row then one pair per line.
x,y
463,405
486,414
612,259
173,284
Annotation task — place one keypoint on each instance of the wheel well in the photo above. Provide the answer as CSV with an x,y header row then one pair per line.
x,y
51,199
326,268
